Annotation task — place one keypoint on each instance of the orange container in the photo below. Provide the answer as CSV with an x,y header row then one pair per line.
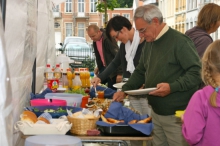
x,y
85,101
53,84
100,94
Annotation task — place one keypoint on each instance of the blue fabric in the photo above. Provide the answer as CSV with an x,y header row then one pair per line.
x,y
41,95
108,93
119,112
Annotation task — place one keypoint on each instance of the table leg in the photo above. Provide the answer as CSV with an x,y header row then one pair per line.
x,y
124,143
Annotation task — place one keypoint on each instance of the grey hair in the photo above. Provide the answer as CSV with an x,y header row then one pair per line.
x,y
148,12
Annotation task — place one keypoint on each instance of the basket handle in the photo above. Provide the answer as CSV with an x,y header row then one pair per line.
x,y
61,125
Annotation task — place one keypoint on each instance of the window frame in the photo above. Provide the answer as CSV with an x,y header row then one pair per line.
x,y
70,4
66,28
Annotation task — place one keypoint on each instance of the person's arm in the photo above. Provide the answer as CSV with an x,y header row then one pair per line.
x,y
116,62
202,43
194,120
114,49
98,58
187,57
137,79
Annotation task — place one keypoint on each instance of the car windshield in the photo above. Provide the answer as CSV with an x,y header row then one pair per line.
x,y
77,46
75,40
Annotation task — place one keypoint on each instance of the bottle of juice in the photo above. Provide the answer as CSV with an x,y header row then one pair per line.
x,y
65,81
77,84
82,77
48,74
57,72
87,78
58,75
69,78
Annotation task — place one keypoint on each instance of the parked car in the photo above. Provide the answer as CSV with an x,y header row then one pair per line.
x,y
75,39
80,52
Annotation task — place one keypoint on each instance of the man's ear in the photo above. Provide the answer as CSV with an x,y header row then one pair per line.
x,y
123,29
155,20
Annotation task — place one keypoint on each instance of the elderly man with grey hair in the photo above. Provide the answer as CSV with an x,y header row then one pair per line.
x,y
170,63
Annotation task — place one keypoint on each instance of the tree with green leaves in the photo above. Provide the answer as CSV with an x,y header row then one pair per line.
x,y
103,5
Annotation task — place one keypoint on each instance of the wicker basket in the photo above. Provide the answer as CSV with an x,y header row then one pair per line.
x,y
80,126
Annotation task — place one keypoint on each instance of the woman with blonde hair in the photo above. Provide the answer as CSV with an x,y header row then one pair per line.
x,y
201,119
207,23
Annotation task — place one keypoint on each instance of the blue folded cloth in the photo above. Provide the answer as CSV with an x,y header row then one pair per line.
x,y
41,95
108,93
119,112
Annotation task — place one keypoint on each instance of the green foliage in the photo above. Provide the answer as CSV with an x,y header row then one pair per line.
x,y
90,64
125,3
111,4
76,91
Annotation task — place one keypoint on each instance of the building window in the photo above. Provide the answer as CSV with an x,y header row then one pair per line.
x,y
187,26
69,29
93,6
93,23
68,5
113,15
81,27
56,8
56,24
81,6
126,16
191,24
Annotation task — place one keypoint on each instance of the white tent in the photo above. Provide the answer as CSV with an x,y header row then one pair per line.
x,y
28,36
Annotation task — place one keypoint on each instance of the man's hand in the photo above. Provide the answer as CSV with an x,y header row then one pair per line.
x,y
163,89
95,81
119,96
96,71
119,79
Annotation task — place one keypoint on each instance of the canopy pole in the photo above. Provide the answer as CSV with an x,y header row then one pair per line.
x,y
34,77
34,69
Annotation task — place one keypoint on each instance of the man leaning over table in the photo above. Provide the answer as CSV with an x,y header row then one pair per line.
x,y
105,51
170,63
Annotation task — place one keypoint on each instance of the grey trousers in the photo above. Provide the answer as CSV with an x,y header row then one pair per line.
x,y
167,131
140,103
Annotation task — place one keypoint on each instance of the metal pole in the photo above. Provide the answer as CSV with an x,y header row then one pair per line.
x,y
34,69
34,77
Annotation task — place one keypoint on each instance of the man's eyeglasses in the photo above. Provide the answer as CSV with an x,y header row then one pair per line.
x,y
143,30
116,36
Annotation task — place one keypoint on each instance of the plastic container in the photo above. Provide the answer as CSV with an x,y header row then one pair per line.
x,y
53,140
58,127
71,99
85,101
48,102
63,60
55,111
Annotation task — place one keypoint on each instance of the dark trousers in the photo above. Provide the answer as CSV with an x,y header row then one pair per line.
x,y
110,81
